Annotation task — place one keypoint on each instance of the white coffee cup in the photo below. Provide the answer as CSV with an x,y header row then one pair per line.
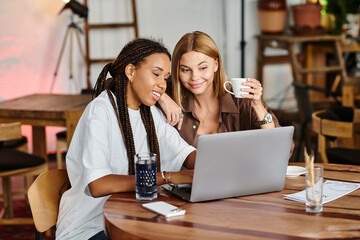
x,y
237,85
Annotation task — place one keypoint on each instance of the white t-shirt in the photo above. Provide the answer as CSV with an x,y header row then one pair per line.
x,y
97,149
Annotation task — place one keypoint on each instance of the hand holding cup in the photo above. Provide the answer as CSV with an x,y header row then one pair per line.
x,y
246,88
237,86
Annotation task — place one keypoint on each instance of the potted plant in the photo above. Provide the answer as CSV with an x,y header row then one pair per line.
x,y
339,9
307,18
272,16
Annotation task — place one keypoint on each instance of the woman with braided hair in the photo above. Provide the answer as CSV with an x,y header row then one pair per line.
x,y
120,122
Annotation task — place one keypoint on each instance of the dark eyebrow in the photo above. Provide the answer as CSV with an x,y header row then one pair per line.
x,y
159,68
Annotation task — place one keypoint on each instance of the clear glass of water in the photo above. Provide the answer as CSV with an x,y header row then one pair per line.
x,y
314,189
146,176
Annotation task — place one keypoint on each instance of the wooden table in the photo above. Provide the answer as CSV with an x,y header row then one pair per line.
x,y
263,216
41,110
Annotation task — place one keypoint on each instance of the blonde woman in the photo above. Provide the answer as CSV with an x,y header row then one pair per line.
x,y
198,77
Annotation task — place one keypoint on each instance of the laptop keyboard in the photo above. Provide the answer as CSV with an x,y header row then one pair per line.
x,y
186,190
182,190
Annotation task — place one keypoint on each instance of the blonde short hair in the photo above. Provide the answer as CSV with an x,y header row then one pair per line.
x,y
202,43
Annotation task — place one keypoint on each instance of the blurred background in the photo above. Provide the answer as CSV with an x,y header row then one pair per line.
x,y
32,34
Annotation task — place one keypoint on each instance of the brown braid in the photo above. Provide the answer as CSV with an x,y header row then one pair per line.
x,y
148,121
133,53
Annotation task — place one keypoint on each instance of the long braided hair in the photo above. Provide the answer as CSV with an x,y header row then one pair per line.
x,y
133,53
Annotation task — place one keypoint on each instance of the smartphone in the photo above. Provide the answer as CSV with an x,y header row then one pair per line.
x,y
165,209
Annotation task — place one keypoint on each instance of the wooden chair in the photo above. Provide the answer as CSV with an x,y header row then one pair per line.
x,y
21,145
306,108
18,144
15,163
44,198
346,148
60,144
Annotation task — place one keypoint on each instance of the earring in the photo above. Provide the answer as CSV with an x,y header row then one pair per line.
x,y
130,81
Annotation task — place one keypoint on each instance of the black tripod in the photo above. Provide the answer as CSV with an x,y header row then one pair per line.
x,y
72,29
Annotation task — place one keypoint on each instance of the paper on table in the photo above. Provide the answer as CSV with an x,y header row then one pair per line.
x,y
331,191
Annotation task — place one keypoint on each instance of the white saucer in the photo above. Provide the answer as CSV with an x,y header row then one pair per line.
x,y
294,171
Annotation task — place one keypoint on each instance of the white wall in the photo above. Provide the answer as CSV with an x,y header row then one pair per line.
x,y
167,20
30,38
31,34
278,91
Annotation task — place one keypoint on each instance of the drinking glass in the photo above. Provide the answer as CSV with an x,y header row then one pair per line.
x,y
314,189
146,176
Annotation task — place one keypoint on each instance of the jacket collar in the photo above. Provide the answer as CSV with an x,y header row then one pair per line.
x,y
227,104
188,103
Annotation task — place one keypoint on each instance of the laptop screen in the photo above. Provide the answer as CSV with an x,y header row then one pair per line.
x,y
241,163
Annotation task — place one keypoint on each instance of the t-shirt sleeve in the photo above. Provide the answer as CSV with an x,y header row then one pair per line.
x,y
173,149
95,155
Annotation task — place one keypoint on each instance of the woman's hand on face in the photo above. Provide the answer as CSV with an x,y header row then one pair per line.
x,y
255,91
172,111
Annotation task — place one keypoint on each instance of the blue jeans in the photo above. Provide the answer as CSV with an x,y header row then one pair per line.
x,y
99,236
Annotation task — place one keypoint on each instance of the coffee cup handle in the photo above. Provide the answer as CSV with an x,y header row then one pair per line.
x,y
226,88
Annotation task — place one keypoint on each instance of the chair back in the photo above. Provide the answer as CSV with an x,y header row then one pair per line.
x,y
325,127
304,101
44,197
10,131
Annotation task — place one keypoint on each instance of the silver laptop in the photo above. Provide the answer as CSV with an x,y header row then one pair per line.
x,y
237,164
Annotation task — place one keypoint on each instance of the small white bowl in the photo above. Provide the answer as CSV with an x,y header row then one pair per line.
x,y
294,171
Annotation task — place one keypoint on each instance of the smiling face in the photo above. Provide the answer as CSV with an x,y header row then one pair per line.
x,y
197,72
147,82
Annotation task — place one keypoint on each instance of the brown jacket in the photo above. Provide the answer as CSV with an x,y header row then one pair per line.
x,y
236,114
